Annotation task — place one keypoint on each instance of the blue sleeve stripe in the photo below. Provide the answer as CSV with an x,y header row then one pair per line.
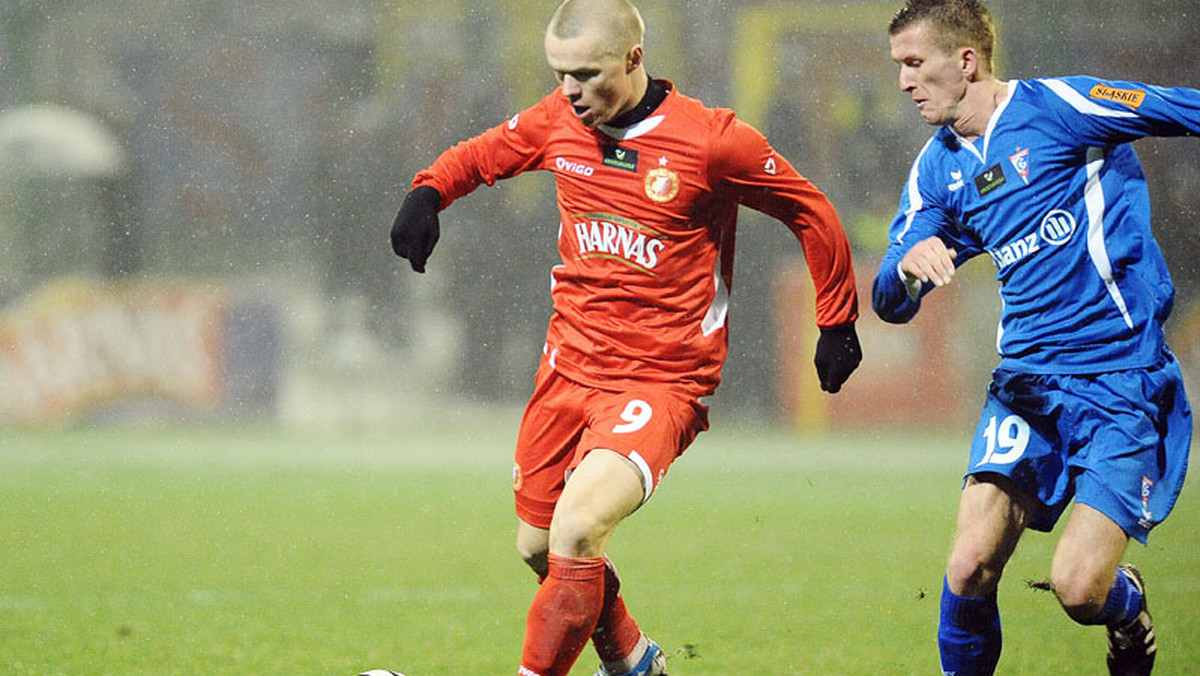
x,y
1081,103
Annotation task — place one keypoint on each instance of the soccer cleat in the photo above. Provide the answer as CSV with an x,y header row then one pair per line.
x,y
1131,648
653,663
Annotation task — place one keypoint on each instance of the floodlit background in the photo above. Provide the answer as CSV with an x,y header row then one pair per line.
x,y
195,198
237,436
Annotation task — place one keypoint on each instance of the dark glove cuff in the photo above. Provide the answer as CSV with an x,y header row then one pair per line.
x,y
839,329
426,196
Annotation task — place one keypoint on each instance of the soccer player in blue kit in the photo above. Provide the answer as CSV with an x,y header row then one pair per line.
x,y
1087,403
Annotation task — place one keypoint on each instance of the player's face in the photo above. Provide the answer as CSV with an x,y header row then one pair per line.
x,y
933,77
598,84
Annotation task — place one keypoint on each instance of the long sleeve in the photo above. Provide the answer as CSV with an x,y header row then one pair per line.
x,y
760,178
501,152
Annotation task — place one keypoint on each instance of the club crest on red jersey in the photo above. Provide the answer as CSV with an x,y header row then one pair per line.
x,y
662,184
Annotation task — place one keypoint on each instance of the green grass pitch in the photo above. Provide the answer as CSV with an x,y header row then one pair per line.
x,y
257,551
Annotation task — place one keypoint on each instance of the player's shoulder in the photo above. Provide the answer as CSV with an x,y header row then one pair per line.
x,y
939,149
545,109
539,121
550,106
691,109
715,132
1087,93
936,172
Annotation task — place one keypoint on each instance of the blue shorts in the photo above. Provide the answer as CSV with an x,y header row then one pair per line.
x,y
1117,442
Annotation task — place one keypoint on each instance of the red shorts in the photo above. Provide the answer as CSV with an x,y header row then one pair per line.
x,y
651,425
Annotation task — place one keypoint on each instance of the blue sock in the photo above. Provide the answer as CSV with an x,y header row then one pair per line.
x,y
969,634
1123,604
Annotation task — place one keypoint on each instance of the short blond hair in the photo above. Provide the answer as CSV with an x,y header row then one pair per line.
x,y
956,23
619,19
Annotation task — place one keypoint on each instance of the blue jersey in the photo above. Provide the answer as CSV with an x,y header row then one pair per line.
x,y
1055,195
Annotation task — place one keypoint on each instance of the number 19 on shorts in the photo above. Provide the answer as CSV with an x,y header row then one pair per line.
x,y
1006,440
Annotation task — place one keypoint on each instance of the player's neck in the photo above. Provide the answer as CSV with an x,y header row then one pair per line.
x,y
650,96
980,102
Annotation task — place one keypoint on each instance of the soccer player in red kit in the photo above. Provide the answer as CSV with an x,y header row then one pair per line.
x,y
649,183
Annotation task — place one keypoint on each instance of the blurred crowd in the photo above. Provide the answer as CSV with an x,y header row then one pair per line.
x,y
271,143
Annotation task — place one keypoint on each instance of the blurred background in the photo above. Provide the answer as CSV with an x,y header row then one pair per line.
x,y
195,198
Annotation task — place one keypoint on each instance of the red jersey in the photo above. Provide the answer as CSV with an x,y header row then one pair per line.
x,y
648,217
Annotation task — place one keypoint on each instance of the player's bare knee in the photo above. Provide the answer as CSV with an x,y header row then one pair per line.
x,y
534,557
1081,598
532,545
971,573
577,535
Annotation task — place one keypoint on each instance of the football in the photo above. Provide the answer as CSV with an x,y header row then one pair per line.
x,y
381,672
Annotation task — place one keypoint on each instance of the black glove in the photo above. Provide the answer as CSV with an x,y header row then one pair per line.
x,y
415,230
838,354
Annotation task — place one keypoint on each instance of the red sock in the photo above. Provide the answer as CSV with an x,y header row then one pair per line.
x,y
616,634
563,615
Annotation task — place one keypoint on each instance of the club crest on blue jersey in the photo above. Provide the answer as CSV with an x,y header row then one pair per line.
x,y
1020,162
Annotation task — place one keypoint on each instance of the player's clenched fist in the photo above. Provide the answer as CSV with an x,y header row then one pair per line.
x,y
930,260
838,354
415,230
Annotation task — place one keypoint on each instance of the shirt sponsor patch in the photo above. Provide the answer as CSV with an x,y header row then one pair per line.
x,y
1130,97
620,158
990,179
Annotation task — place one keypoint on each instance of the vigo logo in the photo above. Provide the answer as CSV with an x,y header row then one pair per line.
x,y
574,167
1057,227
621,239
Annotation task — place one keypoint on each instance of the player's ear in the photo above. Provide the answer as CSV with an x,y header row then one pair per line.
x,y
634,58
969,63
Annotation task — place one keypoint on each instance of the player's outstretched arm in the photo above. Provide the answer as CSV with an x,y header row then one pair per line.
x,y
415,231
838,354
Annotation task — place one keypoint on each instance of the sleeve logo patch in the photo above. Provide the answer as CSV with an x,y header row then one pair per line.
x,y
1130,97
